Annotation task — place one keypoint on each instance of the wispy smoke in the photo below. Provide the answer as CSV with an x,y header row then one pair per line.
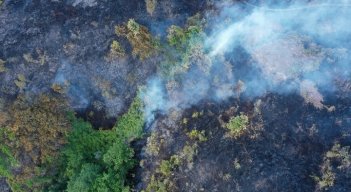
x,y
254,49
154,98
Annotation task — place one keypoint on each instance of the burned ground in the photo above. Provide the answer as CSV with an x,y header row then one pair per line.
x,y
282,150
294,140
54,42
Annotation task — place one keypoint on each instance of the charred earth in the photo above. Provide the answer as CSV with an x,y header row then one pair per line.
x,y
175,95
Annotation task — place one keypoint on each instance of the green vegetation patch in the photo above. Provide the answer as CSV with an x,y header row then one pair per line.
x,y
163,182
197,135
7,158
237,125
184,44
336,164
116,51
130,125
143,43
99,160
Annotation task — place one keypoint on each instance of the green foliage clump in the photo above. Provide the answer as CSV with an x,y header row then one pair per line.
x,y
154,144
343,154
196,114
7,158
166,168
197,135
163,181
237,125
180,38
130,124
156,185
328,176
99,160
186,44
116,51
336,162
144,45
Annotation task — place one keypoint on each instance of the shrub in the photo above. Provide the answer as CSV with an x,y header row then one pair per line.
x,y
188,153
154,144
163,182
197,135
116,51
144,45
336,165
180,38
166,168
237,125
156,185
130,125
328,176
176,36
188,43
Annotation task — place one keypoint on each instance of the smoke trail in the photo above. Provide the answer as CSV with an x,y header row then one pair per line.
x,y
298,48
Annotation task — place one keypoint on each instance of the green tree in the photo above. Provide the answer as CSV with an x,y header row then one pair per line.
x,y
84,180
99,160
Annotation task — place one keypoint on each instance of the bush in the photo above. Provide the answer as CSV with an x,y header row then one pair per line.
x,y
166,168
335,167
197,135
162,182
144,45
130,125
237,125
188,43
116,51
180,38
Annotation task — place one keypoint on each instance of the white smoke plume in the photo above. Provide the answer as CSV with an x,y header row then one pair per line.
x,y
282,48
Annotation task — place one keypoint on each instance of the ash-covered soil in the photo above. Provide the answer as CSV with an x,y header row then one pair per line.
x,y
298,129
282,149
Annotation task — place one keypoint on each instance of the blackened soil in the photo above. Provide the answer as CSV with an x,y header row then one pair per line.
x,y
282,156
